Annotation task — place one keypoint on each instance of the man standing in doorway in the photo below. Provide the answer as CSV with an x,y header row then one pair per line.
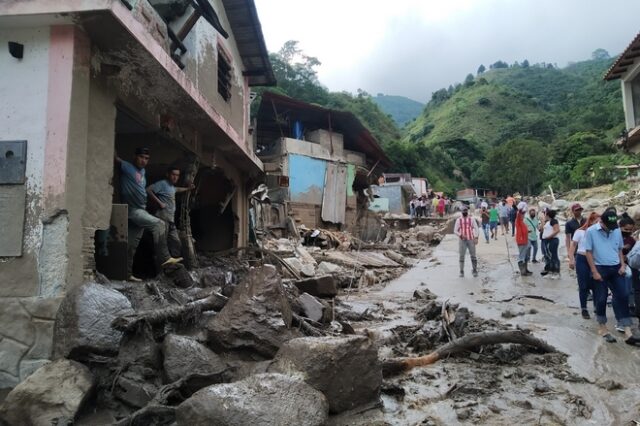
x,y
132,190
466,228
573,224
163,193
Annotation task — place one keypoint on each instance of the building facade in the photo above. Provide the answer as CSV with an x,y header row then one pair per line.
x,y
84,80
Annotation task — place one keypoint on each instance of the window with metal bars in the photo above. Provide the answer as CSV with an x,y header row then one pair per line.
x,y
224,76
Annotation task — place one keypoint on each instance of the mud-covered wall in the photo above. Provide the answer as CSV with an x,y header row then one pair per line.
x,y
201,62
51,100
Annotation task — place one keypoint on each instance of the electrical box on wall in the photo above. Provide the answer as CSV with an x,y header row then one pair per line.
x,y
13,162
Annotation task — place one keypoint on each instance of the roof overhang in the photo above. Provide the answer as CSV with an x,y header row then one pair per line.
x,y
357,137
625,61
247,32
128,48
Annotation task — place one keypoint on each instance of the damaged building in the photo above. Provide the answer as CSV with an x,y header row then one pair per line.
x,y
319,164
84,80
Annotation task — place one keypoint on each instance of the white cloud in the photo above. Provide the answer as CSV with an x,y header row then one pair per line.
x,y
414,47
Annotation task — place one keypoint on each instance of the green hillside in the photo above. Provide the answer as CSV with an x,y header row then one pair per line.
x,y
401,109
556,116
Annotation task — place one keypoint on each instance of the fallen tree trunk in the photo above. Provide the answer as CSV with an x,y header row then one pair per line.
x,y
395,366
214,302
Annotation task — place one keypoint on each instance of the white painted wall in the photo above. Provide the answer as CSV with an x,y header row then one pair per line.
x,y
23,91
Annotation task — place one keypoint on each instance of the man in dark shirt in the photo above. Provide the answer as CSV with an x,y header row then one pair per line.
x,y
573,224
133,184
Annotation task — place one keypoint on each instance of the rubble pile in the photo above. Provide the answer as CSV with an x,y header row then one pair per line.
x,y
261,334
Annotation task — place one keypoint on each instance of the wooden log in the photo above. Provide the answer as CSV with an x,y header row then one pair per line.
x,y
395,366
214,302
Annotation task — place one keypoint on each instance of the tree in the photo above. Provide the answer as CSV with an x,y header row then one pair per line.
x,y
499,64
481,69
525,63
600,54
468,81
517,165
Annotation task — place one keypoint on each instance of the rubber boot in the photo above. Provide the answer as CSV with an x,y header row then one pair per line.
x,y
526,269
462,269
474,265
521,267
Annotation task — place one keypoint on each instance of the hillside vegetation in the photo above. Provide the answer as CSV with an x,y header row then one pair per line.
x,y
400,108
564,120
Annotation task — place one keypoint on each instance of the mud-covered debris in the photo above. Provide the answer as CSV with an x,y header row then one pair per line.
x,y
323,286
50,396
83,321
261,400
609,385
178,275
431,311
424,294
133,390
345,369
256,318
541,386
311,307
184,356
328,268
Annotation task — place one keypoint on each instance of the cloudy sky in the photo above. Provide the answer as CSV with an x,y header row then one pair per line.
x,y
414,47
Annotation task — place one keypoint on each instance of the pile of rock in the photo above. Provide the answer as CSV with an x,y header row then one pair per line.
x,y
176,357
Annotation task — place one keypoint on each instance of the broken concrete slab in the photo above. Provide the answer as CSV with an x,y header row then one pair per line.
x,y
345,369
184,356
328,268
261,400
51,395
257,317
303,269
323,286
360,259
83,322
311,307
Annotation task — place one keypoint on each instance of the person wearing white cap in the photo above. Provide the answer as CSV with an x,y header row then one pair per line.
x,y
522,238
466,228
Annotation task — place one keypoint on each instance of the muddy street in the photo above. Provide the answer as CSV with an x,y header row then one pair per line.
x,y
597,383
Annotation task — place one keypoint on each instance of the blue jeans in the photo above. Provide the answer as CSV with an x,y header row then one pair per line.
x,y
523,253
139,220
613,281
534,250
552,261
485,229
585,280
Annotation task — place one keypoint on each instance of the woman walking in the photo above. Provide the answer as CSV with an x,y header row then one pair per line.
x,y
551,242
578,261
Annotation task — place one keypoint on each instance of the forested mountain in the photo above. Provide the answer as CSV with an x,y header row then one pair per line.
x,y
400,108
518,127
509,127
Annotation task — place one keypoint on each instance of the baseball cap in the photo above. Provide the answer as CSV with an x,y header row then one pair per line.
x,y
141,150
576,206
610,218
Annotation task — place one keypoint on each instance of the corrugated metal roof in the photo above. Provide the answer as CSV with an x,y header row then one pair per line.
x,y
625,60
356,136
247,32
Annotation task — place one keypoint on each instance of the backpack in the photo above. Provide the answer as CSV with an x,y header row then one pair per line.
x,y
633,257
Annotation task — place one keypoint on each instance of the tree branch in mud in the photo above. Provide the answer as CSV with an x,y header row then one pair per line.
x,y
395,366
214,302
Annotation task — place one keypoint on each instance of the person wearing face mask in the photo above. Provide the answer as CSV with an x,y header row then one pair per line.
x,y
484,216
578,261
522,238
603,246
551,242
466,228
532,223
627,227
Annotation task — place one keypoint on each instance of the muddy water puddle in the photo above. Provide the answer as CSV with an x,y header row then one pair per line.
x,y
594,383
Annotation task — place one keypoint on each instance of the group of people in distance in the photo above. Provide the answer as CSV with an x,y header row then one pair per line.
x,y
135,192
425,205
597,246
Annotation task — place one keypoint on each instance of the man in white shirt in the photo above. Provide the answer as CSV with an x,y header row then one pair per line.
x,y
466,228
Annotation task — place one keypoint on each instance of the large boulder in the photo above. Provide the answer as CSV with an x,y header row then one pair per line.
x,y
184,356
83,322
261,400
50,396
345,369
257,317
425,233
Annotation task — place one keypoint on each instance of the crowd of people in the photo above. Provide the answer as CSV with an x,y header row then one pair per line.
x,y
599,249
428,205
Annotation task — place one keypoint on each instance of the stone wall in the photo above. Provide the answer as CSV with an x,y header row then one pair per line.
x,y
25,336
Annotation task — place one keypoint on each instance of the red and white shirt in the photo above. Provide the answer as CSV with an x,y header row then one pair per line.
x,y
466,228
